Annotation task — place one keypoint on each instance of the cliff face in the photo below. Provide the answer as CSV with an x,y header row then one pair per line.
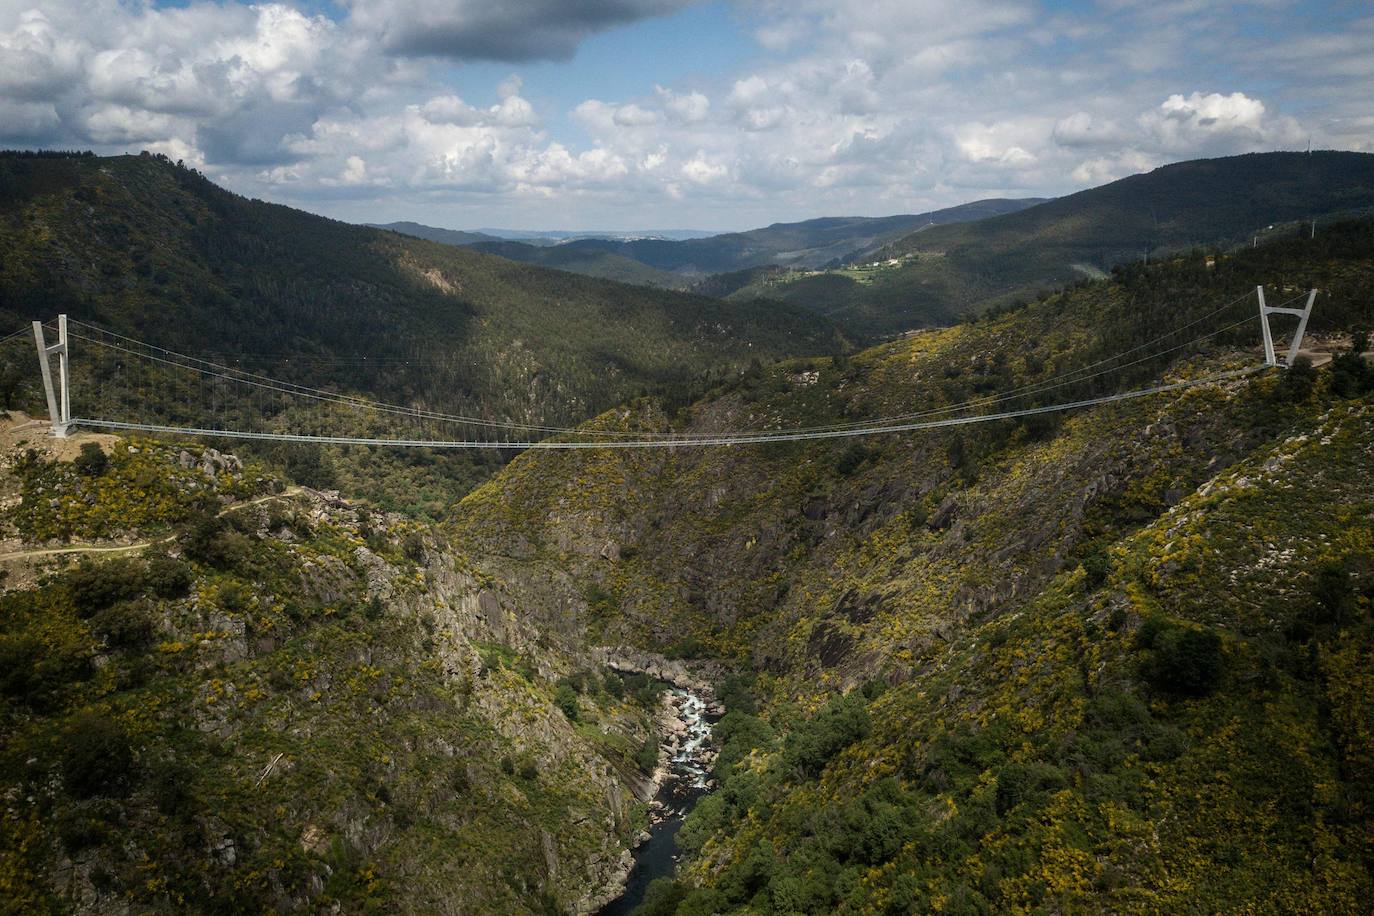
x,y
272,698
1104,661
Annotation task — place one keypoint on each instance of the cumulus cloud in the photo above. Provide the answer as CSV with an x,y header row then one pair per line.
x,y
851,106
1233,122
36,61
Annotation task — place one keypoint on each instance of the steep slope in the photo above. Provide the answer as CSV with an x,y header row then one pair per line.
x,y
1076,662
948,271
157,252
273,700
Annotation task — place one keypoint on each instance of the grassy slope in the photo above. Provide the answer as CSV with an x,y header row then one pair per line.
x,y
961,268
157,252
998,579
313,717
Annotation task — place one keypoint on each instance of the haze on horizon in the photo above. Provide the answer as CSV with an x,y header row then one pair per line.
x,y
659,114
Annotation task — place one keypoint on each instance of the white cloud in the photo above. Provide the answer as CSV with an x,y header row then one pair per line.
x,y
1214,122
684,107
853,106
702,171
122,124
36,61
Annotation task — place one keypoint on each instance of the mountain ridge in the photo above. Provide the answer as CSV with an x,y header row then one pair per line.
x,y
948,271
812,242
157,252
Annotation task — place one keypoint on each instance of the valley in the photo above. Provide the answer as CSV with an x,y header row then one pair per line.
x,y
676,458
1102,659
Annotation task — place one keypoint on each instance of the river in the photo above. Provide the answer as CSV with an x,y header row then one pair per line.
x,y
688,778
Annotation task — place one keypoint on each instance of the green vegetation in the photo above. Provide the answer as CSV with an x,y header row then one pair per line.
x,y
253,714
675,264
1080,664
129,242
588,258
1118,659
948,272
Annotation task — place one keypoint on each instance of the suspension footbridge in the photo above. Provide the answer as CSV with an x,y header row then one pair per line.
x,y
122,384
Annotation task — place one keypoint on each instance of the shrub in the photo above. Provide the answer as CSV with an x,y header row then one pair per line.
x,y
838,724
212,542
167,578
78,830
1334,594
96,586
661,898
1019,782
736,734
232,596
414,547
737,693
97,758
92,462
1097,565
851,459
128,625
32,671
614,685
170,786
1351,375
565,698
646,758
1183,661
1297,383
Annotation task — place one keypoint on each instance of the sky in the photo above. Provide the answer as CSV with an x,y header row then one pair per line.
x,y
673,114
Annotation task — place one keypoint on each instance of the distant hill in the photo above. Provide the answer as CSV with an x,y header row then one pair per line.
x,y
950,270
809,244
142,247
559,236
591,260
446,236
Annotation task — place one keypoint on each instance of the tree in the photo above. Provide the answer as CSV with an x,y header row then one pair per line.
x,y
1183,661
565,698
92,462
97,758
835,726
1297,383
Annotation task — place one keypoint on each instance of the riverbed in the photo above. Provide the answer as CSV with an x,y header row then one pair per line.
x,y
687,776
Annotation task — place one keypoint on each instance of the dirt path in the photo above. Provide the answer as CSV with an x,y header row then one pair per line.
x,y
142,545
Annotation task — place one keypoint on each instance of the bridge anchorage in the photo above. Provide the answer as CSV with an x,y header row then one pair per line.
x,y
161,391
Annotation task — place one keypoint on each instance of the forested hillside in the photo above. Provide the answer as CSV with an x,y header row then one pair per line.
x,y
1107,660
1114,659
155,251
592,257
948,271
673,264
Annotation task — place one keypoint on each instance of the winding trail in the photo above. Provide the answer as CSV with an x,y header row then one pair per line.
x,y
142,545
